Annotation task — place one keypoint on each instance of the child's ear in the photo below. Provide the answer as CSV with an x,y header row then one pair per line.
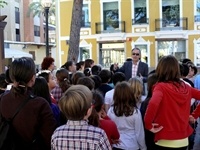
x,y
89,111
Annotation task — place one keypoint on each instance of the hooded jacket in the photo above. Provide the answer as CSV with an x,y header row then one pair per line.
x,y
170,107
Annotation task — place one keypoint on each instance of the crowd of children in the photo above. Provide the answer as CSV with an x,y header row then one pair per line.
x,y
85,106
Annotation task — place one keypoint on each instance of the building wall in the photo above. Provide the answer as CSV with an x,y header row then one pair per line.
x,y
135,34
28,42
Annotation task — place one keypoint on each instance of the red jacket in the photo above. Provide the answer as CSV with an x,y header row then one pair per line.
x,y
110,128
170,108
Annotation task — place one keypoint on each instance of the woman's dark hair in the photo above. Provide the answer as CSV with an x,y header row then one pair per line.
x,y
152,80
98,100
46,63
168,69
67,65
40,88
79,64
88,63
21,72
8,80
45,74
62,76
124,100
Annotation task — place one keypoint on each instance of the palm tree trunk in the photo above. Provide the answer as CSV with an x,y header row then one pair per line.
x,y
73,51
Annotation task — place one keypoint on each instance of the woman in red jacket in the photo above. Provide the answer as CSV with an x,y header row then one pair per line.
x,y
168,111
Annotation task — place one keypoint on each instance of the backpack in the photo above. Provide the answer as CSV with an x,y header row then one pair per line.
x,y
8,136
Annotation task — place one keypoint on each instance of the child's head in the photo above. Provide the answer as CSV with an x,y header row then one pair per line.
x,y
22,74
137,87
48,77
76,103
77,76
98,100
124,101
87,81
62,76
40,88
152,79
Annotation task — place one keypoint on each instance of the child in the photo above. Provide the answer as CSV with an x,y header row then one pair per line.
x,y
128,119
77,134
104,121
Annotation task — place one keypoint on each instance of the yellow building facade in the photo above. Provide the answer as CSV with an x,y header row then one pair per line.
x,y
111,28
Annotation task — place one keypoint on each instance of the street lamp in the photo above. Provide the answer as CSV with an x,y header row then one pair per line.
x,y
47,4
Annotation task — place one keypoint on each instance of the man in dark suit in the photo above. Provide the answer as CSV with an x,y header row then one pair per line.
x,y
135,67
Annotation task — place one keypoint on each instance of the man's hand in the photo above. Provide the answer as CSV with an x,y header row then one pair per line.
x,y
155,128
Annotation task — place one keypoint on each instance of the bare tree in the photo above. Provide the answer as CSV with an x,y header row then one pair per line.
x,y
73,51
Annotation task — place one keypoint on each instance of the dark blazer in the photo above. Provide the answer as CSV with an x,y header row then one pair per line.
x,y
142,69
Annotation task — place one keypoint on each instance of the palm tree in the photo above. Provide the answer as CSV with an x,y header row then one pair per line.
x,y
37,9
3,3
73,51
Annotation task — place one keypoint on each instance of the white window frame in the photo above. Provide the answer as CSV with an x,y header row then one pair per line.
x,y
119,10
84,44
180,10
133,10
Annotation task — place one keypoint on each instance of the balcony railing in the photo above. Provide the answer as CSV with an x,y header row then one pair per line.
x,y
173,24
85,25
110,27
197,18
143,21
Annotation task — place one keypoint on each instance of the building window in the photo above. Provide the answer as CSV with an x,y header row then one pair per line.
x,y
84,53
17,18
85,16
17,34
175,48
111,53
197,11
110,15
36,30
140,14
170,13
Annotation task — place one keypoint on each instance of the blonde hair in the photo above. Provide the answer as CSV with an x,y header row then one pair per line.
x,y
136,85
76,102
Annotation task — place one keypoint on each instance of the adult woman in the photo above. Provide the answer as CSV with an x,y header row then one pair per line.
x,y
168,111
48,64
35,122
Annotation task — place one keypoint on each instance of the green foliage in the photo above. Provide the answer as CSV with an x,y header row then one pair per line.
x,y
3,3
37,9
